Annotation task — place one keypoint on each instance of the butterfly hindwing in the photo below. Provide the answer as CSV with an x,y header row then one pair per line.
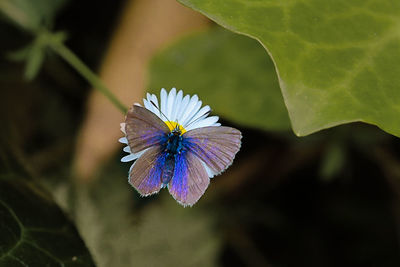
x,y
146,172
215,146
190,179
144,129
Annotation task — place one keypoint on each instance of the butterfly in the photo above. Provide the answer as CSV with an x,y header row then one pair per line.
x,y
176,145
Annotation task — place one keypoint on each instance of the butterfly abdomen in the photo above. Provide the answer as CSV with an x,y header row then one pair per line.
x,y
172,148
168,169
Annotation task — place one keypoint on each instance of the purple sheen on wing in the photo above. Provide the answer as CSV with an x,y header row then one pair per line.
x,y
190,179
215,146
144,129
145,173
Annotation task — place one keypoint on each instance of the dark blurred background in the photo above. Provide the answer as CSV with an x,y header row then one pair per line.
x,y
328,199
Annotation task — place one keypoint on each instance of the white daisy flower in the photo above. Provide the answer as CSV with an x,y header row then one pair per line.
x,y
177,111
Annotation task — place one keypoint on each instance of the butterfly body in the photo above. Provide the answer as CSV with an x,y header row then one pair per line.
x,y
171,148
174,143
183,160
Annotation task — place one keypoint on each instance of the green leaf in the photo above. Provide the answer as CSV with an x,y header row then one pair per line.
x,y
32,15
34,61
34,231
229,72
20,54
337,61
35,52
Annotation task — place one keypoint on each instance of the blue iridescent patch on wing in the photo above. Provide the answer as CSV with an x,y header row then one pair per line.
x,y
178,186
190,179
146,172
153,178
151,138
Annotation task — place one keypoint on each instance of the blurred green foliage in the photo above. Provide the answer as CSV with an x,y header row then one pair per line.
x,y
31,16
337,61
35,17
33,229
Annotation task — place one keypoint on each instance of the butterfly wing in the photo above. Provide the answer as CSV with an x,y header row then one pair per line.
x,y
215,146
144,129
190,179
146,172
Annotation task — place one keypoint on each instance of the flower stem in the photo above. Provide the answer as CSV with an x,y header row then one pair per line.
x,y
79,66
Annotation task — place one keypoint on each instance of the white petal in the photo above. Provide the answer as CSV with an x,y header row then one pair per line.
x,y
189,125
123,140
210,173
176,105
129,157
203,112
127,149
203,123
133,156
122,127
190,106
170,103
154,98
155,101
182,108
192,113
163,96
148,105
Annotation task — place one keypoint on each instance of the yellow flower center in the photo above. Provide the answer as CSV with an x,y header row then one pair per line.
x,y
172,125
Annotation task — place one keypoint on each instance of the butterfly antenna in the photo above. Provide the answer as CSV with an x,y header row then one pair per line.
x,y
154,104
177,125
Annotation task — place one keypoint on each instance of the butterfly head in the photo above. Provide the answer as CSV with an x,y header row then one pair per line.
x,y
174,127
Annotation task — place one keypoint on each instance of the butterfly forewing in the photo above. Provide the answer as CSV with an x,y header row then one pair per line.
x,y
144,129
190,179
146,172
215,146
